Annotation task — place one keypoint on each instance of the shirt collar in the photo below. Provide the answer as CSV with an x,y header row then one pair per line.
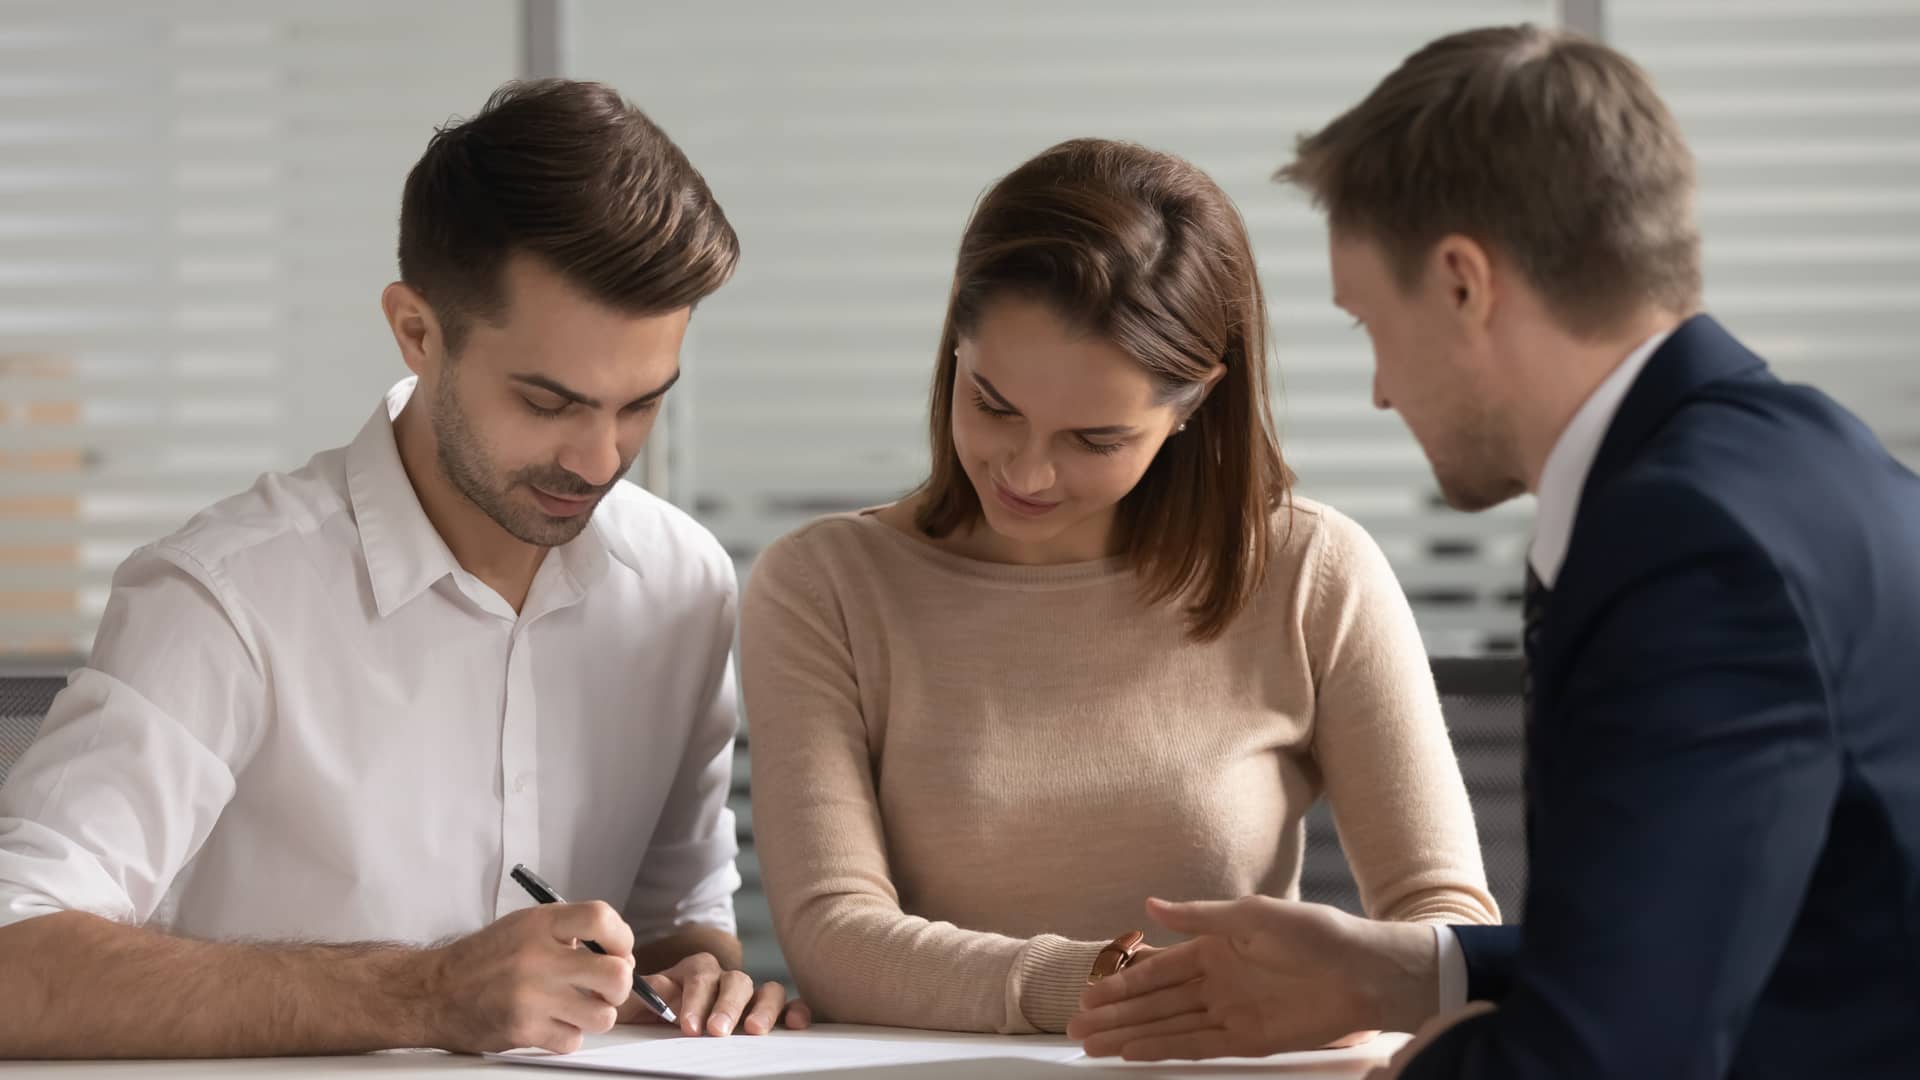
x,y
405,554
1565,474
584,559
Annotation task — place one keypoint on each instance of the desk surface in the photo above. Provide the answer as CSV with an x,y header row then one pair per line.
x,y
434,1065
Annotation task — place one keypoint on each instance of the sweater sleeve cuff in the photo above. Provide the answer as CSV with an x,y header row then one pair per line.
x,y
1049,978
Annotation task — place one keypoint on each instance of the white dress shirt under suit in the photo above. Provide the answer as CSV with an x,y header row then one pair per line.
x,y
303,720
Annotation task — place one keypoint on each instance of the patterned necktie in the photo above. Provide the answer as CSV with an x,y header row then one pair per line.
x,y
1533,609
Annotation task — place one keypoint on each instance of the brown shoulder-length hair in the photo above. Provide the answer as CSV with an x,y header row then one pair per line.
x,y
1141,249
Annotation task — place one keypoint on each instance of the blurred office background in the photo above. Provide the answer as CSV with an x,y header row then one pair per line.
x,y
197,207
198,200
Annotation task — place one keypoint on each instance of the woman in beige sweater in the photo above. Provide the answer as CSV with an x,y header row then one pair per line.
x,y
1101,654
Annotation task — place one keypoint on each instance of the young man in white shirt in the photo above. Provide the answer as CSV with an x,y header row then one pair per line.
x,y
277,811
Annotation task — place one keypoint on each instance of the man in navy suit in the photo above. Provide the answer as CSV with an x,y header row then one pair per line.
x,y
1722,624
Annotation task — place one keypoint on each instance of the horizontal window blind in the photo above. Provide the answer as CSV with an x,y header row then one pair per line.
x,y
1805,120
198,204
848,139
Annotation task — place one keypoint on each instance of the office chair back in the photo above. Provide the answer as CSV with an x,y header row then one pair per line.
x,y
23,704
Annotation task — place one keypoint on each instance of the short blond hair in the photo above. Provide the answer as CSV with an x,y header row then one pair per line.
x,y
1548,148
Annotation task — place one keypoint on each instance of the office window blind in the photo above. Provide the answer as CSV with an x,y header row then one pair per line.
x,y
1805,120
197,213
848,140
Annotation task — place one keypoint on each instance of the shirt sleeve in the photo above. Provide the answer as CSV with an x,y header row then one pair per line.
x,y
1452,965
137,756
1394,786
688,875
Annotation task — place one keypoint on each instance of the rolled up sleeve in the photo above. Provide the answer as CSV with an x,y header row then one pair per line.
x,y
137,756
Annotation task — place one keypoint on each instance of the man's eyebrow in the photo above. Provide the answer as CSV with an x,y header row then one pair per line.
x,y
541,382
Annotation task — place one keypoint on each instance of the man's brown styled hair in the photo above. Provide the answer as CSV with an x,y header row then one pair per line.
x,y
572,174
1142,250
1546,147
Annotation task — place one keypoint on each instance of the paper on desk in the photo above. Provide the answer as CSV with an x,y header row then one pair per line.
x,y
790,1052
1359,1058
881,1053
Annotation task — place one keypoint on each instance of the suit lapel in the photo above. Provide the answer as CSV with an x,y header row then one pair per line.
x,y
1699,352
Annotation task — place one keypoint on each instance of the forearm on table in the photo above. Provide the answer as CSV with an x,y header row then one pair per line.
x,y
77,985
868,962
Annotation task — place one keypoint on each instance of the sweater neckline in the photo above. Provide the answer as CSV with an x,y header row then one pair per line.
x,y
1053,575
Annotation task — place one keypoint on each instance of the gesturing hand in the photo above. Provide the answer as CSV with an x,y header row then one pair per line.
x,y
1260,976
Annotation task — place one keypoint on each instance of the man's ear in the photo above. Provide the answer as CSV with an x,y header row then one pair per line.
x,y
1462,267
416,329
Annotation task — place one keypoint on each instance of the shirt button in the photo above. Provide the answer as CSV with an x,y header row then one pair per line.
x,y
520,784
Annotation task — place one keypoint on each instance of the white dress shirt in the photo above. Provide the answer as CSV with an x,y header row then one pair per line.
x,y
1564,477
1562,481
303,719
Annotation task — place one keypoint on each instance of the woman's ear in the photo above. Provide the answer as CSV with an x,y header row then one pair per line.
x,y
1211,380
1207,382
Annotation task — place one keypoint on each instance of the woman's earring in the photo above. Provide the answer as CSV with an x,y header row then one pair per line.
x,y
1181,428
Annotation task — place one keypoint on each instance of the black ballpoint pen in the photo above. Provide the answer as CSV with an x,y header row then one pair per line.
x,y
544,893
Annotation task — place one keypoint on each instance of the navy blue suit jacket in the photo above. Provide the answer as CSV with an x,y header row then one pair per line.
x,y
1723,778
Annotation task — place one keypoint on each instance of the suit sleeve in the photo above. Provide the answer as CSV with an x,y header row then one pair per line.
x,y
1489,952
1685,778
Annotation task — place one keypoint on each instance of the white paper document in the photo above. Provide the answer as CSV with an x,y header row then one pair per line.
x,y
933,1055
795,1052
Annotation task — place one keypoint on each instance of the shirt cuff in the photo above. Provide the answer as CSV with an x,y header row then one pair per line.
x,y
1451,963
